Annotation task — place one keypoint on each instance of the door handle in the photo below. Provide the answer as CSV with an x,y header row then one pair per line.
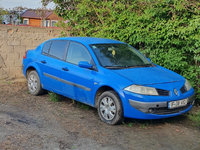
x,y
65,69
43,61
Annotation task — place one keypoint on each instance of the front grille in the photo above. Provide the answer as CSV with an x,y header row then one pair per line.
x,y
165,110
183,89
162,92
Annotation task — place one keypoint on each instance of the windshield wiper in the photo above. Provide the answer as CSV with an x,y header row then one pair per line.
x,y
123,67
115,67
143,65
146,65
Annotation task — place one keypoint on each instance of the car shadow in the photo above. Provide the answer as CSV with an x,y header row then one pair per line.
x,y
177,120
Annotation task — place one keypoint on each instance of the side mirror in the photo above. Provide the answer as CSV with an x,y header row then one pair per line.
x,y
84,64
149,59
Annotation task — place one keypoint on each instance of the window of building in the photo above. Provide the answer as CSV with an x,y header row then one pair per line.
x,y
26,22
53,23
47,24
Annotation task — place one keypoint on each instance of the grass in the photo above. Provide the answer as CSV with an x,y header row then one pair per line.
x,y
73,147
83,106
195,117
9,82
57,98
130,124
144,125
54,97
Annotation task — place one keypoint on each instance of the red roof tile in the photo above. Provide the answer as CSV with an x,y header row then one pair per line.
x,y
36,14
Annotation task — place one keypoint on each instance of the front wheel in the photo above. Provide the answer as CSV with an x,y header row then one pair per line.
x,y
34,85
110,108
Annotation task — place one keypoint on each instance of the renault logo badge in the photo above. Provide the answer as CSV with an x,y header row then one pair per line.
x,y
175,92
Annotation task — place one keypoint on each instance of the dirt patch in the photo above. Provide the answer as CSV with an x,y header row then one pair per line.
x,y
34,122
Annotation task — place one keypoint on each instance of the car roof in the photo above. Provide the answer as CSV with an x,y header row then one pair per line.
x,y
88,40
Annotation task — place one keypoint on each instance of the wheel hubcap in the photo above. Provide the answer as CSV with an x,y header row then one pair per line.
x,y
32,83
107,108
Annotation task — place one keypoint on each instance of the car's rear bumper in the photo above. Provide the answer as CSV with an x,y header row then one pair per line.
x,y
154,108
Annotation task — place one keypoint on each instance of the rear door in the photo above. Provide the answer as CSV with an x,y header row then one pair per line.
x,y
52,65
81,80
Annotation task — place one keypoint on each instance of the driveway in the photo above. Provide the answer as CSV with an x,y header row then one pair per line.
x,y
34,122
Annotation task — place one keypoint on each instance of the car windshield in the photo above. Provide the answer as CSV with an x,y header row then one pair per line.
x,y
116,56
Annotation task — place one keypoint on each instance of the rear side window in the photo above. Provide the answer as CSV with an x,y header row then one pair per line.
x,y
77,53
58,49
46,47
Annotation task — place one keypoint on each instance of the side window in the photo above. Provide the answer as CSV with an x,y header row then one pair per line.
x,y
58,49
46,47
77,53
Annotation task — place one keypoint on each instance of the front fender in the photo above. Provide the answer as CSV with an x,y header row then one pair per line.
x,y
115,88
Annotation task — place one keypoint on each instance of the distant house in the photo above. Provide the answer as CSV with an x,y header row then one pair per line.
x,y
12,17
40,18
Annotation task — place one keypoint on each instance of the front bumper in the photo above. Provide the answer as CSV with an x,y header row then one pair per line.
x,y
153,107
159,108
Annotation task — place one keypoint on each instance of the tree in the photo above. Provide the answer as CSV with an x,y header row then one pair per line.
x,y
46,2
2,13
42,12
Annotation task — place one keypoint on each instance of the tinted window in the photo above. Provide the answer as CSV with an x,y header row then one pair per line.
x,y
46,47
58,49
77,53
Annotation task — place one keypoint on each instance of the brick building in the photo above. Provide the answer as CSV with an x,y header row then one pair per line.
x,y
40,18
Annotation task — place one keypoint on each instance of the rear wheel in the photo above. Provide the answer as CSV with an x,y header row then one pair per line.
x,y
34,85
110,108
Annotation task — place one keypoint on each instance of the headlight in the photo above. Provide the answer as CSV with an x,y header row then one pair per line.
x,y
187,85
141,90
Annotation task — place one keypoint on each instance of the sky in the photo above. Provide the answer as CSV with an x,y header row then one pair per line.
x,y
24,3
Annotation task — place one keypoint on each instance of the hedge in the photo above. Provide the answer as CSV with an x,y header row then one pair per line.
x,y
166,31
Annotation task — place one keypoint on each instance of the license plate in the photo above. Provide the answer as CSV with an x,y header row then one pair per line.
x,y
176,104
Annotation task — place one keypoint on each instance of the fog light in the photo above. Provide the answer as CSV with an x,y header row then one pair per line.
x,y
150,110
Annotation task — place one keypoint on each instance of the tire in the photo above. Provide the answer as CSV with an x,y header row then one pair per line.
x,y
34,85
110,108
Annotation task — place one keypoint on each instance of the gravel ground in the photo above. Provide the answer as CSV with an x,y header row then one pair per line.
x,y
35,123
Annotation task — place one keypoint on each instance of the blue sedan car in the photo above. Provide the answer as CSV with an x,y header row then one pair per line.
x,y
109,75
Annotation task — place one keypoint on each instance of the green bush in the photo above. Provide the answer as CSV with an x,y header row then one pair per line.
x,y
195,117
167,31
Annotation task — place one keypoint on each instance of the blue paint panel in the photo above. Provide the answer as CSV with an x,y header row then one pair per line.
x,y
149,75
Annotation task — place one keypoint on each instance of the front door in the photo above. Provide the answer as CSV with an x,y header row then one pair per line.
x,y
80,79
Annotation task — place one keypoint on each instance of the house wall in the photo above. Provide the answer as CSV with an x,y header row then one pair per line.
x,y
34,22
14,41
53,16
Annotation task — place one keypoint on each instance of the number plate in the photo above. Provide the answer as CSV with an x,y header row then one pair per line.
x,y
176,104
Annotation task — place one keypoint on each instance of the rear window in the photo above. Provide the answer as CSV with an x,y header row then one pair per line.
x,y
58,49
46,47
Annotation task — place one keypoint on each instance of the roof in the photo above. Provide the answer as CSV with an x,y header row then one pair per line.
x,y
88,40
36,13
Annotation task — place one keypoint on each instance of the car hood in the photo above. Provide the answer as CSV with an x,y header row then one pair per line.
x,y
149,75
